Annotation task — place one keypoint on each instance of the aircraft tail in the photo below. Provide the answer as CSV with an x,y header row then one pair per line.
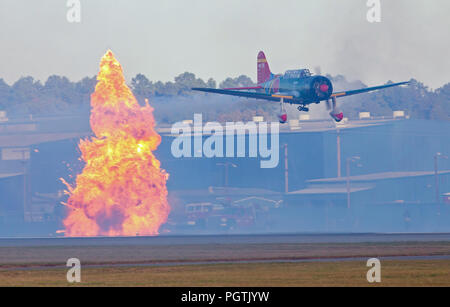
x,y
264,73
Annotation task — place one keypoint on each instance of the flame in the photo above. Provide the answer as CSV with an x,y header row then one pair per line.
x,y
122,189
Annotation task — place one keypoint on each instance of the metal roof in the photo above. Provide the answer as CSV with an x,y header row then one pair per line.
x,y
303,127
7,175
379,176
222,191
16,140
328,190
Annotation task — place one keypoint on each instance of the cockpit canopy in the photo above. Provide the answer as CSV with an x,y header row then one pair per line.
x,y
297,73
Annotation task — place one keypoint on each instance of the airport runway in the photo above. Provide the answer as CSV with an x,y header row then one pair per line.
x,y
227,239
197,263
46,253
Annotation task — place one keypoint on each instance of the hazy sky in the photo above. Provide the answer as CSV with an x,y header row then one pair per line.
x,y
220,38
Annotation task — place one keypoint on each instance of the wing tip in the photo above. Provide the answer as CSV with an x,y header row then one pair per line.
x,y
404,83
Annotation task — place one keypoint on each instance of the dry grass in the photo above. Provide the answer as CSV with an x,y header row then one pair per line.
x,y
16,265
58,255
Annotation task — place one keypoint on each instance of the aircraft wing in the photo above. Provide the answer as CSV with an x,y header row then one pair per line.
x,y
287,98
263,96
367,89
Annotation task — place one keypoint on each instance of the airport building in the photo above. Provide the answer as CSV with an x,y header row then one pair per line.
x,y
369,174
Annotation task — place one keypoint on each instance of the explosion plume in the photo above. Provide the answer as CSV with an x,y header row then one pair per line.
x,y
122,189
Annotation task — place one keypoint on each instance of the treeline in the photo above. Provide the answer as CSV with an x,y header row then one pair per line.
x,y
143,87
417,100
59,95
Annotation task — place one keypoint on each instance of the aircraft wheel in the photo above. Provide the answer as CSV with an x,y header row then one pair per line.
x,y
303,108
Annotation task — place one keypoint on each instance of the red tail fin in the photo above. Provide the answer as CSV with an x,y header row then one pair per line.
x,y
264,73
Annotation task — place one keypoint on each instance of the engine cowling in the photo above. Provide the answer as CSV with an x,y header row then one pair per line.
x,y
321,88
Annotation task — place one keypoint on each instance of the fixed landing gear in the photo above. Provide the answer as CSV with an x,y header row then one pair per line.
x,y
335,113
282,117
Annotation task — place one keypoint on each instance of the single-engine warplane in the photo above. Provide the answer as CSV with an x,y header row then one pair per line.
x,y
295,87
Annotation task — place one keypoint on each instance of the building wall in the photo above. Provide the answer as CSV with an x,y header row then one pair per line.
x,y
11,198
401,145
305,156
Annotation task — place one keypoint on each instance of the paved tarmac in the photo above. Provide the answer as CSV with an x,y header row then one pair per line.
x,y
227,239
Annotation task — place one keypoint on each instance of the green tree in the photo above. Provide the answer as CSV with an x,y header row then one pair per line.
x,y
84,89
60,88
5,94
142,87
211,83
241,81
185,81
26,96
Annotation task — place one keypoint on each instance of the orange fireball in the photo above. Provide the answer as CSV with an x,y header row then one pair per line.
x,y
122,189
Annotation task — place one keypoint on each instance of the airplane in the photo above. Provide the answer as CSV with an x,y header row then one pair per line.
x,y
297,86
